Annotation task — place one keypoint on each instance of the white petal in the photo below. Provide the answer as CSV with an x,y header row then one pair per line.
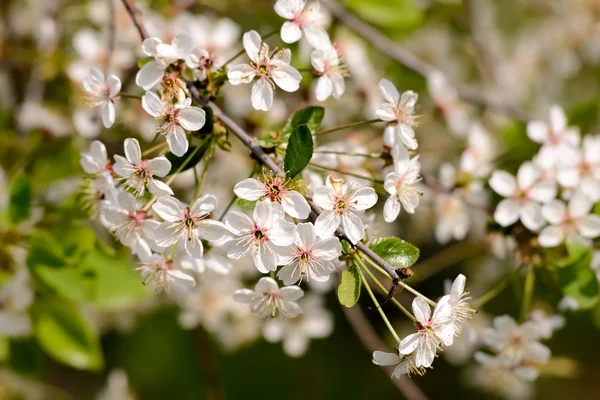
x,y
108,114
543,191
327,222
152,104
589,226
183,44
421,310
353,227
159,166
531,216
385,112
249,189
323,197
507,212
389,91
382,358
150,75
290,32
364,198
114,83
168,208
295,205
282,233
554,211
527,175
287,77
163,236
133,151
177,142
252,42
203,206
324,88
287,8
579,205
159,188
149,46
391,209
237,222
262,95
241,73
551,236
503,183
409,343
265,259
537,131
558,119
192,118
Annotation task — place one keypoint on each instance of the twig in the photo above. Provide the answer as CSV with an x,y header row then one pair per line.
x,y
111,35
413,63
134,13
357,320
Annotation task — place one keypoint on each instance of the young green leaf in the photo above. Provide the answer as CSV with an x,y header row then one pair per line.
x,y
309,116
299,151
577,279
397,252
245,204
348,291
19,207
391,14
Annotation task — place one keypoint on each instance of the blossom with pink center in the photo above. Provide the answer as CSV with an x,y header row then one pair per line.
x,y
340,203
309,257
96,161
570,222
270,69
559,141
265,236
268,300
174,119
433,331
162,275
103,93
398,113
582,171
274,189
523,196
186,226
139,173
301,19
331,82
402,185
405,365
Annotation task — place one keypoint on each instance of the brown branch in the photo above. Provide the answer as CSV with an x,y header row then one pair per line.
x,y
357,320
135,15
409,60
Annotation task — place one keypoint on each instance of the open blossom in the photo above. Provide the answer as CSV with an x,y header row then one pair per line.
x,y
331,82
186,226
446,99
130,224
310,20
268,300
523,196
480,152
164,55
275,190
340,202
267,68
398,113
95,161
571,222
582,171
309,256
162,275
402,185
264,236
459,301
405,365
434,330
174,120
558,141
103,93
139,173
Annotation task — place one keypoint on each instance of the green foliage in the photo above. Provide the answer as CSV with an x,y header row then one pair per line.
x,y
310,116
4,349
26,356
267,140
245,204
389,14
177,162
65,335
210,120
576,277
19,207
348,291
397,252
299,151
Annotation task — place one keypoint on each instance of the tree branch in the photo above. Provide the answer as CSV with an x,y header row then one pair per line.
x,y
409,60
135,15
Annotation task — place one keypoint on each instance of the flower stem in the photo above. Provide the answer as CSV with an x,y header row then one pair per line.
x,y
207,158
366,178
495,291
348,153
155,147
385,291
401,284
383,316
347,126
527,292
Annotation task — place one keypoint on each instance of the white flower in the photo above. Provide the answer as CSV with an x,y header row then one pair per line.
x,y
264,236
398,113
340,202
275,190
449,103
140,173
582,171
267,300
164,55
480,152
402,186
433,331
546,324
95,161
570,222
128,223
404,364
162,275
174,119
103,93
523,196
186,226
558,141
267,68
331,82
311,21
459,301
501,376
309,256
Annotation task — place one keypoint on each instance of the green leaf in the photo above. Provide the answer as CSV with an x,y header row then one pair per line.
x,y
245,204
20,199
349,290
397,252
390,14
176,162
69,282
577,279
299,151
210,120
4,349
267,140
65,335
26,356
44,249
310,116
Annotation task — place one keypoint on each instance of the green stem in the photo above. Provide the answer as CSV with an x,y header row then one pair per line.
x,y
242,51
400,283
155,147
130,95
383,316
527,292
347,126
319,166
207,158
348,153
385,291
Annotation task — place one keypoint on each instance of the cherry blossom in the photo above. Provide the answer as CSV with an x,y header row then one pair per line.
x,y
268,300
405,365
402,185
558,140
162,275
103,93
398,113
95,161
308,20
331,81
